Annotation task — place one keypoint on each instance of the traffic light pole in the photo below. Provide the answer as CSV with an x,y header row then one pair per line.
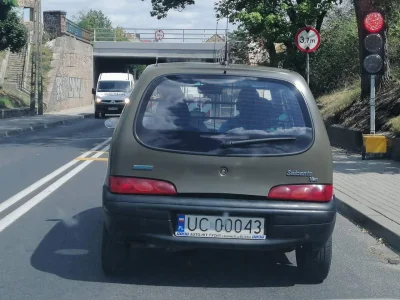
x,y
372,104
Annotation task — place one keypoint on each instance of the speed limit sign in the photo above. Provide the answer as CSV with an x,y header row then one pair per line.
x,y
308,39
159,35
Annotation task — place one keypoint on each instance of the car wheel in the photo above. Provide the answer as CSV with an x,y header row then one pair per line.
x,y
114,255
314,261
103,115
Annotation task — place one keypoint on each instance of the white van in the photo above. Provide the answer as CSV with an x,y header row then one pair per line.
x,y
112,93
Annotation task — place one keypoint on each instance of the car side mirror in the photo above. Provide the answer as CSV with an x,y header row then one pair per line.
x,y
111,123
93,91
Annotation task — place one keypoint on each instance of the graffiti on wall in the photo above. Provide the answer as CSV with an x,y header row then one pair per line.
x,y
68,87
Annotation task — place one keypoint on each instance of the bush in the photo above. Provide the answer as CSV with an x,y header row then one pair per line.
x,y
336,62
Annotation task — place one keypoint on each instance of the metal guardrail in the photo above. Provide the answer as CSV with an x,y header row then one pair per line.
x,y
159,35
78,31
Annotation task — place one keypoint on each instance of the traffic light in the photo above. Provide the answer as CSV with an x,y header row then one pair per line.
x,y
373,40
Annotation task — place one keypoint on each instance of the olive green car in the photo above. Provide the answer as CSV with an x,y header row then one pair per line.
x,y
214,156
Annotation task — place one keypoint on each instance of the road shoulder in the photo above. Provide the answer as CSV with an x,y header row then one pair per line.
x,y
12,126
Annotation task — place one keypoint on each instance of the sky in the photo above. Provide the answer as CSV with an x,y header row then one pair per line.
x,y
136,13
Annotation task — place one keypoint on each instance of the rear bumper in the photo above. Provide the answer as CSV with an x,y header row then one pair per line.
x,y
150,221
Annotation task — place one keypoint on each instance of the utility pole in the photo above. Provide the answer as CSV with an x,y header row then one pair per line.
x,y
36,67
33,60
40,74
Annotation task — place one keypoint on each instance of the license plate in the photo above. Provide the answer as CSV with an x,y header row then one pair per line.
x,y
220,227
113,108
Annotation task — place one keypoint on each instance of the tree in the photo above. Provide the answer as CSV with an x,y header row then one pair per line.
x,y
276,22
161,7
138,69
13,34
271,21
93,19
335,65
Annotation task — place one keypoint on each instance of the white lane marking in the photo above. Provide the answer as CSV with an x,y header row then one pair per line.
x,y
17,197
23,209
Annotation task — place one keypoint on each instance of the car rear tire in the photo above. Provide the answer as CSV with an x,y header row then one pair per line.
x,y
114,255
314,261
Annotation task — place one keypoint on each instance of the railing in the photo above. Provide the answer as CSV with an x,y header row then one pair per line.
x,y
159,35
78,31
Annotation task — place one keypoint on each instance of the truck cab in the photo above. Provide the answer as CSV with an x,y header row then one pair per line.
x,y
112,93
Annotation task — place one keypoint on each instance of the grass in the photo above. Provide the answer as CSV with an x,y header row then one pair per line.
x,y
336,102
2,55
394,125
16,99
10,99
5,102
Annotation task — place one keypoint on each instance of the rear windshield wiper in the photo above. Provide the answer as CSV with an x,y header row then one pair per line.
x,y
256,141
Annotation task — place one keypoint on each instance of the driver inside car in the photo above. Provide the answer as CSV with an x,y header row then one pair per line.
x,y
255,113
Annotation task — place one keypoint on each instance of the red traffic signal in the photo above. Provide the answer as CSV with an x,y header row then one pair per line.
x,y
374,22
373,40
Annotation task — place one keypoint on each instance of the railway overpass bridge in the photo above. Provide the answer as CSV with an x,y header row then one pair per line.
x,y
79,55
115,49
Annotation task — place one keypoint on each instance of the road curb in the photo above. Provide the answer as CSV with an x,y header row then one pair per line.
x,y
375,223
45,125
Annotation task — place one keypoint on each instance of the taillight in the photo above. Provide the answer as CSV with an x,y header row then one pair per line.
x,y
305,192
140,186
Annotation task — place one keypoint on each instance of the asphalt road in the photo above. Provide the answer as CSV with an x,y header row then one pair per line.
x,y
50,239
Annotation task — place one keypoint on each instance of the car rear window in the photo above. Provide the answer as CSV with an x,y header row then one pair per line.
x,y
223,115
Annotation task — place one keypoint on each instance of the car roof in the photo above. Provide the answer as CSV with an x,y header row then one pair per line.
x,y
217,66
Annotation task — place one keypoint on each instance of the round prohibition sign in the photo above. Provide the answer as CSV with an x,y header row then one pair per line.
x,y
159,35
308,39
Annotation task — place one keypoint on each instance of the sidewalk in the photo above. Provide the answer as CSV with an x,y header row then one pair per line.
x,y
13,126
369,194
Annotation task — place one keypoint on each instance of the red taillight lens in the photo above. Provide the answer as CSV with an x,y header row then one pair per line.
x,y
142,186
305,192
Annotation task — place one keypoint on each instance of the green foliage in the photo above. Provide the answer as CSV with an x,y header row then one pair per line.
x,y
239,49
13,34
336,63
47,57
394,42
92,19
276,22
138,68
11,99
161,7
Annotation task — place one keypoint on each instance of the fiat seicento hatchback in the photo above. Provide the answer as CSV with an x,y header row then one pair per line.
x,y
212,156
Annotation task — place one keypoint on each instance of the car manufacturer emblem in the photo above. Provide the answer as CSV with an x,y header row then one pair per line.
x,y
112,101
223,171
